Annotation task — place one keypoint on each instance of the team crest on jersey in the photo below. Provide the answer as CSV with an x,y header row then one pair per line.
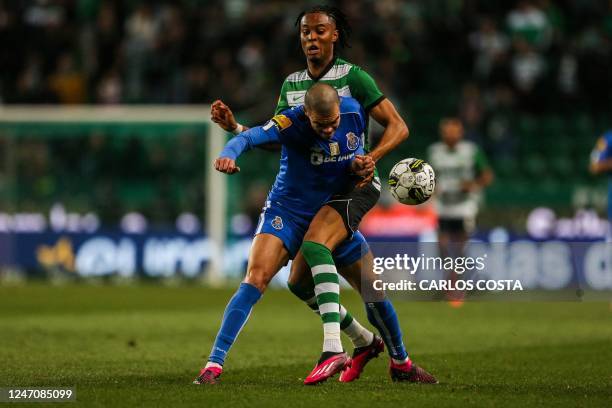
x,y
334,149
352,141
277,223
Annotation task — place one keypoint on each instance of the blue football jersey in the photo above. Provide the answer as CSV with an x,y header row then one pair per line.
x,y
603,151
312,169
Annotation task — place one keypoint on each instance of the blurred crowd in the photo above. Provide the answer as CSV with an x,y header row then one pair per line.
x,y
538,53
483,60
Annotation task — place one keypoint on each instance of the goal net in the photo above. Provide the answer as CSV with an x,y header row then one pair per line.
x,y
66,172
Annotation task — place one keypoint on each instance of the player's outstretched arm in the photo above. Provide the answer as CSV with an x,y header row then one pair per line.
x,y
601,157
226,162
395,132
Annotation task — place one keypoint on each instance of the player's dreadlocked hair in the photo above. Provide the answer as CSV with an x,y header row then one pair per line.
x,y
342,24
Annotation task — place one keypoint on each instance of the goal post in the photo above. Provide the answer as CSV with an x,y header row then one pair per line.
x,y
44,120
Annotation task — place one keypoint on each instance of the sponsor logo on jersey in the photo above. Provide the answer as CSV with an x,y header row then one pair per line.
x,y
317,157
295,98
352,141
334,148
282,121
277,223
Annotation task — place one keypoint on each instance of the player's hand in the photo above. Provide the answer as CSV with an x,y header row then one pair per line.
x,y
363,166
366,180
223,116
469,186
226,165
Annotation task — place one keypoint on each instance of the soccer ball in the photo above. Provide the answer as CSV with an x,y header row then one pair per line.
x,y
412,181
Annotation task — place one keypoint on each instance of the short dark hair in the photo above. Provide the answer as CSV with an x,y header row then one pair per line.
x,y
342,24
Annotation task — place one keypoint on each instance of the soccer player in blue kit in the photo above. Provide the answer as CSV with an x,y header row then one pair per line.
x,y
324,28
320,146
601,163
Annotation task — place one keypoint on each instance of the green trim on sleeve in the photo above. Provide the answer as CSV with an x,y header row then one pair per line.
x,y
480,160
282,103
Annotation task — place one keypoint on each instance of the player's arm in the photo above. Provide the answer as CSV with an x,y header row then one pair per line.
x,y
601,158
484,173
601,166
223,116
484,179
396,130
257,136
381,110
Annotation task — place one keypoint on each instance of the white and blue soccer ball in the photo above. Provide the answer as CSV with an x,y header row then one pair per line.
x,y
412,181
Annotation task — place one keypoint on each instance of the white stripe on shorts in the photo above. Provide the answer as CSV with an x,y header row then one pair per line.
x,y
262,217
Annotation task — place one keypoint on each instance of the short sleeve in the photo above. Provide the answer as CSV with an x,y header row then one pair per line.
x,y
282,103
364,88
287,124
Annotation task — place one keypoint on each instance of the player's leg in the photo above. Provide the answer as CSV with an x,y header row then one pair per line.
x,y
301,284
453,234
335,222
348,258
380,311
381,314
268,254
325,232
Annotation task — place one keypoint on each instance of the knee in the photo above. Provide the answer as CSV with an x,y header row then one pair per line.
x,y
300,275
295,275
259,277
304,293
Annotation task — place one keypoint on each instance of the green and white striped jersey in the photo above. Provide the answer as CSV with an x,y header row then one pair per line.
x,y
453,167
348,79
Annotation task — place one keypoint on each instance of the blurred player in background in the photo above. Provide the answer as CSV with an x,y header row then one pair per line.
x,y
601,163
321,28
462,172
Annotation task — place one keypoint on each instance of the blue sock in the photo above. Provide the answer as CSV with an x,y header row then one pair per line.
x,y
236,315
382,316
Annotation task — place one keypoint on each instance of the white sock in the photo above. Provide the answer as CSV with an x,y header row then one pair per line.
x,y
359,335
331,338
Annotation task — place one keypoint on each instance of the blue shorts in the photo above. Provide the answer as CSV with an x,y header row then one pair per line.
x,y
291,228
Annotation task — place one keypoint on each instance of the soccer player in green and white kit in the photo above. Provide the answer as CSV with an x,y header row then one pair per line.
x,y
462,171
320,29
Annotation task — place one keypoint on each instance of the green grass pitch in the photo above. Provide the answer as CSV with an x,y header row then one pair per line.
x,y
143,345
